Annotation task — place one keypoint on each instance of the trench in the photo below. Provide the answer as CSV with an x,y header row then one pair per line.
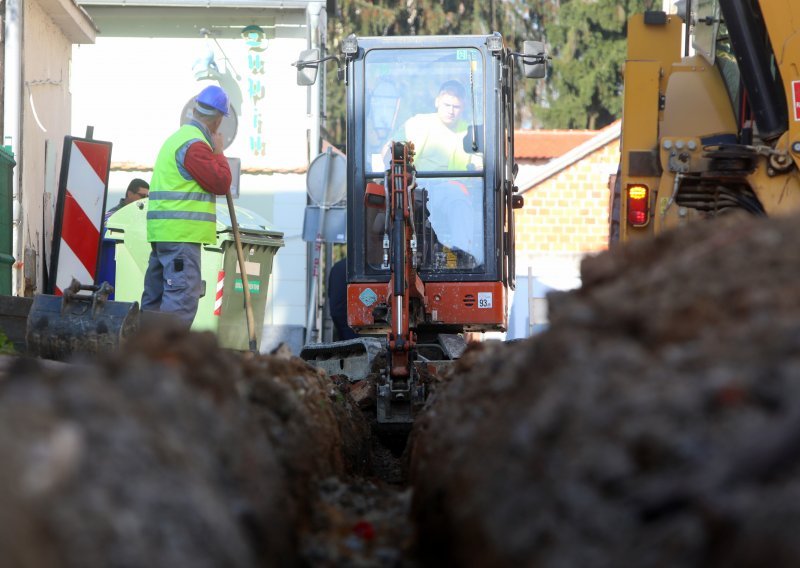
x,y
179,453
365,520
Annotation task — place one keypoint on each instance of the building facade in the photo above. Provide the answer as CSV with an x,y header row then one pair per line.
x,y
565,217
36,46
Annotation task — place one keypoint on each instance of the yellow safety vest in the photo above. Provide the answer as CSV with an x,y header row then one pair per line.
x,y
179,210
437,147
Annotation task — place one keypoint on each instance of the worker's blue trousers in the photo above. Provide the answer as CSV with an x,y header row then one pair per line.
x,y
172,282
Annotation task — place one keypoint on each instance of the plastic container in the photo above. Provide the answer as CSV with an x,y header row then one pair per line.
x,y
219,265
7,164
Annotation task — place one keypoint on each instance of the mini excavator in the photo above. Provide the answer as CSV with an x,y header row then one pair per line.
x,y
430,239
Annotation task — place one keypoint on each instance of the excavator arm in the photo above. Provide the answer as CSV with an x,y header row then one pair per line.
x,y
405,283
398,387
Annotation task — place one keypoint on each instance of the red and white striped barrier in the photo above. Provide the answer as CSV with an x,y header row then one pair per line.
x,y
79,212
218,299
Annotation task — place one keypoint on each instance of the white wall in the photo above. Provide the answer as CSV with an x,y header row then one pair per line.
x,y
536,278
45,121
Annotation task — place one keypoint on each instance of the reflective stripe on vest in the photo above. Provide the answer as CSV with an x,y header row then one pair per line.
x,y
181,215
179,210
181,195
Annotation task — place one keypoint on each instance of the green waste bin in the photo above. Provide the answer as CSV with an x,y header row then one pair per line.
x,y
7,164
219,266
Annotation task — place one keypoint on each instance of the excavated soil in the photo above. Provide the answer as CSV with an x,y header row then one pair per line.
x,y
656,423
182,454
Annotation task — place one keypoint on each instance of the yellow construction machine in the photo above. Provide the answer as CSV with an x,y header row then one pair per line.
x,y
711,115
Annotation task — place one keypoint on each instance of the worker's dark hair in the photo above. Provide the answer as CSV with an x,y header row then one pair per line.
x,y
135,184
453,88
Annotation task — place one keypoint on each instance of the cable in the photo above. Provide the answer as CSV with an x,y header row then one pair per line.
x,y
33,108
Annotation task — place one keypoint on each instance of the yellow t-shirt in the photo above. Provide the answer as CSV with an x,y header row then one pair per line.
x,y
437,147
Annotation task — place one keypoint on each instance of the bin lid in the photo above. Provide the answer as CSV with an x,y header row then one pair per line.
x,y
133,215
7,155
249,221
130,224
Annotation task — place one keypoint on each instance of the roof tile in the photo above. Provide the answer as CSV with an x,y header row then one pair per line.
x,y
548,144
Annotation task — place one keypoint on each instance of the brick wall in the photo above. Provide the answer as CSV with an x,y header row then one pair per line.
x,y
568,212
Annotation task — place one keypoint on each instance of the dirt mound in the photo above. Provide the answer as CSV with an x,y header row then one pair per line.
x,y
176,454
656,423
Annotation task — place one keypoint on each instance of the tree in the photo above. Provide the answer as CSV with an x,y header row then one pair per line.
x,y
517,20
588,43
586,40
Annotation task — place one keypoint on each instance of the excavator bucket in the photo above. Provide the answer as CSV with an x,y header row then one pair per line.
x,y
353,358
366,358
59,326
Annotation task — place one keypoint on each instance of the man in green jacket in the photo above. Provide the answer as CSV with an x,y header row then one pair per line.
x,y
189,173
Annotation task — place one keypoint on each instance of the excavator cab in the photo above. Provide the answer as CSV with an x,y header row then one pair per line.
x,y
448,96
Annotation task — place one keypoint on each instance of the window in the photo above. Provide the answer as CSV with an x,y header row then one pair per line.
x,y
435,99
432,97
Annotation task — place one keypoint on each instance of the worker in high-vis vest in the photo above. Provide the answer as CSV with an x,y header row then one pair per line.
x,y
190,171
454,204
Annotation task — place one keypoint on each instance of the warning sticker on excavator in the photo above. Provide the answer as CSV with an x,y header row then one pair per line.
x,y
484,300
796,99
368,297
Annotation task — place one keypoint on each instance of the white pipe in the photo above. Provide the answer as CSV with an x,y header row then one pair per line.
x,y
315,17
312,329
33,111
315,20
12,114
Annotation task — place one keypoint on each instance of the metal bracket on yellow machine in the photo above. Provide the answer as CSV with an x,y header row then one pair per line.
x,y
353,358
59,326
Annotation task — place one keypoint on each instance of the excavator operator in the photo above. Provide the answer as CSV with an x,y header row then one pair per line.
x,y
453,205
454,210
